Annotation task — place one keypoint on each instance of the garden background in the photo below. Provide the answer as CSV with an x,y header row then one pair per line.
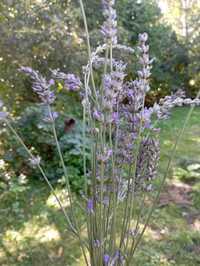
x,y
48,35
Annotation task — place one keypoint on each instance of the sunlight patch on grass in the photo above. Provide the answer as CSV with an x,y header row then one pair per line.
x,y
47,233
62,195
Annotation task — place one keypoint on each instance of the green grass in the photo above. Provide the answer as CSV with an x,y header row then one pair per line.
x,y
33,231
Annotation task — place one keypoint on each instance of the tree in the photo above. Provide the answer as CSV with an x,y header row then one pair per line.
x,y
184,16
170,56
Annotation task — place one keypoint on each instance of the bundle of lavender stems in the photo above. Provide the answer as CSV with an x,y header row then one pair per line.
x,y
124,145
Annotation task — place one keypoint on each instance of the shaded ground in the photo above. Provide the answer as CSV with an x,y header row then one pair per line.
x,y
33,232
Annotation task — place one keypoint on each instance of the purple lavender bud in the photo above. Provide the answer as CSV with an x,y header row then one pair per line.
x,y
51,82
51,117
3,115
109,27
40,85
107,153
97,243
106,259
117,259
90,206
97,115
72,82
115,118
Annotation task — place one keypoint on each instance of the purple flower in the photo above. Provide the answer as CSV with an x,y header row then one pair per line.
x,y
3,115
97,243
40,85
109,27
106,259
97,115
51,82
71,82
117,259
51,117
115,117
90,206
105,156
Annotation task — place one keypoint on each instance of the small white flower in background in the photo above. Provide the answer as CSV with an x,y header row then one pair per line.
x,y
35,161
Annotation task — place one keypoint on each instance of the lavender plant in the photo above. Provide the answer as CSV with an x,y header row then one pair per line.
x,y
124,145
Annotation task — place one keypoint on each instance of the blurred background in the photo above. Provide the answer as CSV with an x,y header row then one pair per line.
x,y
50,34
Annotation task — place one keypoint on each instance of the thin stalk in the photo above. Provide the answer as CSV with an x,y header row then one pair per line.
x,y
72,228
43,174
88,45
84,148
61,157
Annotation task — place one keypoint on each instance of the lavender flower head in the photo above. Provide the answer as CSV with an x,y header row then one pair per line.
x,y
40,85
49,118
109,27
90,206
71,82
106,259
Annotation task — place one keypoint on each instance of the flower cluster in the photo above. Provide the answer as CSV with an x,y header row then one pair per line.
x,y
109,27
40,85
124,144
71,82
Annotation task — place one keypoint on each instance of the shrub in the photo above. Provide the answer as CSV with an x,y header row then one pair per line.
x,y
37,135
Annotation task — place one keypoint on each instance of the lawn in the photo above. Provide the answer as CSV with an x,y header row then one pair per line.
x,y
32,228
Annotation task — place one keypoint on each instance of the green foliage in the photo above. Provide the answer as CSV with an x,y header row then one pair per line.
x,y
38,137
30,227
50,34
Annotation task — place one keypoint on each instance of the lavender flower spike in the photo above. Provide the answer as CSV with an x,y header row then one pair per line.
x,y
109,27
71,82
40,85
